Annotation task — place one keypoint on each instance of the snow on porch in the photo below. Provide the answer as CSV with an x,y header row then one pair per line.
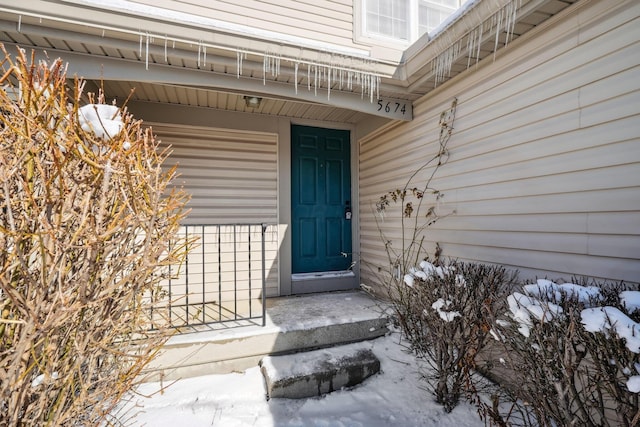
x,y
292,324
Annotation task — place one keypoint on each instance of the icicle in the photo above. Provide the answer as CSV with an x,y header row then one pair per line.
x,y
328,83
454,56
438,67
140,53
507,22
514,17
334,74
165,48
443,63
146,59
495,45
238,63
470,46
265,59
295,77
308,77
376,90
204,51
481,33
471,38
102,30
315,81
511,19
365,88
199,47
19,23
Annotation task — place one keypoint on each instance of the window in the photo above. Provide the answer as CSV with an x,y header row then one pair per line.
x,y
402,21
387,18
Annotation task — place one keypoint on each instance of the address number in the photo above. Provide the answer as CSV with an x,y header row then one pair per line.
x,y
392,107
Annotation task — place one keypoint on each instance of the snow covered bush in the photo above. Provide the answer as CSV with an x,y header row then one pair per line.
x,y
444,312
87,229
572,352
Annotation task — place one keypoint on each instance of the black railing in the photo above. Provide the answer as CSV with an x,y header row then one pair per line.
x,y
224,278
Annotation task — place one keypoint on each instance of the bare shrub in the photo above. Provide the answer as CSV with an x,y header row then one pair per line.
x,y
567,368
442,316
445,313
87,228
414,207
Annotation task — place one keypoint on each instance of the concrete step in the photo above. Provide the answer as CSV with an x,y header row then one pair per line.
x,y
318,372
294,324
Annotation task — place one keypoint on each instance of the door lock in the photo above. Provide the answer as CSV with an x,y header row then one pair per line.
x,y
347,211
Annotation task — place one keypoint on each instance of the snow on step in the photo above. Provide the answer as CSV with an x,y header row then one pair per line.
x,y
318,372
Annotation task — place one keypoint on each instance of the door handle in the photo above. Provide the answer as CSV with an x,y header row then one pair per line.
x,y
347,211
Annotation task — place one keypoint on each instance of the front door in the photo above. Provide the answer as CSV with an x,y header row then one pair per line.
x,y
320,200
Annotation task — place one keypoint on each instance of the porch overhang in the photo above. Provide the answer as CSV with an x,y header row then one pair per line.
x,y
112,69
118,45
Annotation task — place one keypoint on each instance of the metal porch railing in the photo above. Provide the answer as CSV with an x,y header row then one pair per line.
x,y
224,278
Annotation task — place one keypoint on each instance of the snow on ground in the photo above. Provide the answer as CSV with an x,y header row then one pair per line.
x,y
394,397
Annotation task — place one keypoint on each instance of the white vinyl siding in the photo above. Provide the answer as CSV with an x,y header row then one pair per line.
x,y
544,166
231,175
232,178
330,21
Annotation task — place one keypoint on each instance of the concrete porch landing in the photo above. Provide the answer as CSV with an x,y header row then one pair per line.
x,y
293,324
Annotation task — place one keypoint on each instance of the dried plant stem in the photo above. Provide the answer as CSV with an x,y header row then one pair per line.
x,y
88,231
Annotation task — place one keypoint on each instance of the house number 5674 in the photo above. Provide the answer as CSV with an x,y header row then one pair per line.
x,y
391,106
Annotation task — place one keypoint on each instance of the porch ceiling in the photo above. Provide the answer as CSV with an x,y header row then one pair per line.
x,y
334,88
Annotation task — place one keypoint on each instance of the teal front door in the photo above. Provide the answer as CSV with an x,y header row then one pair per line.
x,y
320,199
